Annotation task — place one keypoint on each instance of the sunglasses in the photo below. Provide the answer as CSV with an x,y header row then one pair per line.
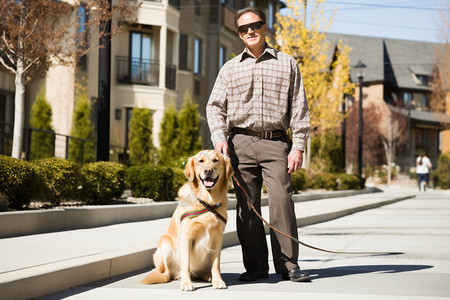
x,y
253,26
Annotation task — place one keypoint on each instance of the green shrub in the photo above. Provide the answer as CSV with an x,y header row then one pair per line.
x,y
326,152
179,162
42,143
151,181
142,150
102,181
61,178
168,136
443,171
349,182
326,181
189,140
299,180
19,182
179,178
382,175
81,151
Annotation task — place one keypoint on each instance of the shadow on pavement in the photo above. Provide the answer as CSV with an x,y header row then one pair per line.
x,y
364,269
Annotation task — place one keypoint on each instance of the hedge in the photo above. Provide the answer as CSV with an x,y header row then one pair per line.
x,y
102,181
61,178
299,180
19,182
152,181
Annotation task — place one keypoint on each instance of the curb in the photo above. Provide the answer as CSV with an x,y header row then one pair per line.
x,y
13,224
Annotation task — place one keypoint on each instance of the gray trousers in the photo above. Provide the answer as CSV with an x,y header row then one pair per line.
x,y
256,161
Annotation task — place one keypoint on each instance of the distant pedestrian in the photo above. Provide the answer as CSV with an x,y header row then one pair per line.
x,y
423,165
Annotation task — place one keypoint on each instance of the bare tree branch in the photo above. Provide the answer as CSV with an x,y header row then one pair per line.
x,y
8,46
6,65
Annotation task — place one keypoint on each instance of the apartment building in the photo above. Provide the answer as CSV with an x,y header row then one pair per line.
x,y
175,47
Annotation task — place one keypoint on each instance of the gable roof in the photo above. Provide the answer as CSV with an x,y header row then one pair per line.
x,y
397,62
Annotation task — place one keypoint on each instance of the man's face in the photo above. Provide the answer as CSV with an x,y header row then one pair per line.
x,y
252,38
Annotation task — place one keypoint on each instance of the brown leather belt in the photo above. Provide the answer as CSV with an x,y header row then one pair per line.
x,y
268,135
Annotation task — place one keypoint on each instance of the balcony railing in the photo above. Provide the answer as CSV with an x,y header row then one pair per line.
x,y
137,71
145,72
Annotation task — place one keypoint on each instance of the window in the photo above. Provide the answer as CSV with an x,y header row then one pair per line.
x,y
183,52
6,108
198,56
407,99
140,64
421,101
198,7
82,38
418,101
222,56
423,79
270,18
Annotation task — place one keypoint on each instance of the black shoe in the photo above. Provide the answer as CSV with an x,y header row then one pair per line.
x,y
252,276
296,275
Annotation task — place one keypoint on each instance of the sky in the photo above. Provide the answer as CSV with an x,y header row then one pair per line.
x,y
416,20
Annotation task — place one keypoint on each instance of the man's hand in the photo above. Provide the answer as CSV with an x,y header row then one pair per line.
x,y
295,160
222,147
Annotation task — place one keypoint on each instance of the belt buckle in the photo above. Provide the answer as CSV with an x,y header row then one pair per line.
x,y
267,135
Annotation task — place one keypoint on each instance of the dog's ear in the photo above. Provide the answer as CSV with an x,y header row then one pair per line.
x,y
189,171
229,168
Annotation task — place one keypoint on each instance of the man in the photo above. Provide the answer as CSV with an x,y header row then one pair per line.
x,y
257,97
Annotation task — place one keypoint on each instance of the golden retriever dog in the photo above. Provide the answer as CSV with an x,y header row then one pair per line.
x,y
192,245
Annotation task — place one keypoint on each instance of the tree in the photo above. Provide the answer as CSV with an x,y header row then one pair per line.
x,y
324,70
36,34
80,150
330,160
142,150
441,74
42,143
168,135
189,140
325,75
372,147
392,134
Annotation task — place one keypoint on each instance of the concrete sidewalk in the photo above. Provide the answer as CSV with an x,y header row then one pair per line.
x,y
37,265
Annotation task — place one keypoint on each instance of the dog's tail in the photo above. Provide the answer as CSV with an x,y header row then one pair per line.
x,y
156,276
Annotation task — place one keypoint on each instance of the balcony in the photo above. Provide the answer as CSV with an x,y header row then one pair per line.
x,y
144,72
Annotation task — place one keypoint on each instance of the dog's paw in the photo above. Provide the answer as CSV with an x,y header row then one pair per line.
x,y
219,284
187,286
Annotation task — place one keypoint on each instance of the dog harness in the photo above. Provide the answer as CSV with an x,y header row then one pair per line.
x,y
208,208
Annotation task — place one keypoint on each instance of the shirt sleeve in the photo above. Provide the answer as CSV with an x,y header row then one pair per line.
x,y
299,122
216,109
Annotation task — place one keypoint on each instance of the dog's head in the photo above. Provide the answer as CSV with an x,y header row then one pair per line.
x,y
209,168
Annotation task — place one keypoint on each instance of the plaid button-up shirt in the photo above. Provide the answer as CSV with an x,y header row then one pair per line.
x,y
263,94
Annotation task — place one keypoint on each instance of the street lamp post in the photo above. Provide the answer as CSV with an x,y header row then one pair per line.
x,y
410,106
360,70
104,90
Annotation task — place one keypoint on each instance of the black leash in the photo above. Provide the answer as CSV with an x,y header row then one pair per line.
x,y
297,240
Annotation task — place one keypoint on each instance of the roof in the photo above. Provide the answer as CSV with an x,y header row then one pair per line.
x,y
388,60
423,117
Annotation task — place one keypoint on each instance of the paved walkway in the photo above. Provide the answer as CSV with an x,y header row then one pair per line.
x,y
38,265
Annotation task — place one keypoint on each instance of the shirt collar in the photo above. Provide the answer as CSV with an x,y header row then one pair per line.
x,y
268,50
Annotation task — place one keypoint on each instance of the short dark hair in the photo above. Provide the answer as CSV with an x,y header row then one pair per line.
x,y
257,11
